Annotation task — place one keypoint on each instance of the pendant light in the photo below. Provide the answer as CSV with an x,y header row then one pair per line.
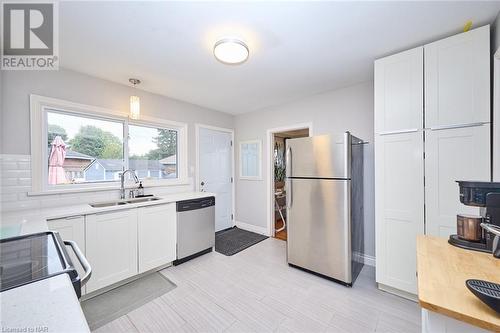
x,y
135,102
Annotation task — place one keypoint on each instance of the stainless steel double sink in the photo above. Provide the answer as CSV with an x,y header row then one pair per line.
x,y
122,202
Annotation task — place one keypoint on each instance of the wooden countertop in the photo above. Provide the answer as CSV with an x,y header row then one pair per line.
x,y
442,272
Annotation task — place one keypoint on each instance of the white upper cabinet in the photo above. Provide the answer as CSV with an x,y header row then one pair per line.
x,y
451,155
399,92
457,79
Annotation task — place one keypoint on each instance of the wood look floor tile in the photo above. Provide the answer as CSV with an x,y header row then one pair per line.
x,y
120,325
256,291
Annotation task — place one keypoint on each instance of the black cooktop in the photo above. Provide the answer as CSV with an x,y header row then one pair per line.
x,y
31,258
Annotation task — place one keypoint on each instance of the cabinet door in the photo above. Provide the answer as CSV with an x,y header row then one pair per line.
x,y
157,229
111,247
71,228
457,79
399,207
451,155
399,88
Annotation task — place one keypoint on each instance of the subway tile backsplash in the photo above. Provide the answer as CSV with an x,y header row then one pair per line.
x,y
15,183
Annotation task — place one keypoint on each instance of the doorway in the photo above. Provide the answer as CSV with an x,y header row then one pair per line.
x,y
277,166
215,170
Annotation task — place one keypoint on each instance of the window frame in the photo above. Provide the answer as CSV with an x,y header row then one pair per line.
x,y
40,106
258,162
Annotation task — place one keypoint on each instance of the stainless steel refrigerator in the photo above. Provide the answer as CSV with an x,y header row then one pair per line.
x,y
325,205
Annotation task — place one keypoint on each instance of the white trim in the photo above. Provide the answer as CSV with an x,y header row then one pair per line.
x,y
39,105
269,168
197,162
496,116
259,176
397,292
252,228
364,258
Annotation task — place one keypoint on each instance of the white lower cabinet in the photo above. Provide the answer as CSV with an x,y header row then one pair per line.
x,y
111,247
72,228
123,243
451,155
399,208
157,235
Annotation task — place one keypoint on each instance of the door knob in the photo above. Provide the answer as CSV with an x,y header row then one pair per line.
x,y
202,183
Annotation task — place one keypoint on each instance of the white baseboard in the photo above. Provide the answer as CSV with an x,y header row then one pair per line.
x,y
397,292
251,227
364,258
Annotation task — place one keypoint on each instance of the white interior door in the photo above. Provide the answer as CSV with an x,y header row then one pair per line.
x,y
216,172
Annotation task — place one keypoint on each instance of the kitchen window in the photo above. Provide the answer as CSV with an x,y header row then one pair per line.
x,y
93,149
153,152
77,147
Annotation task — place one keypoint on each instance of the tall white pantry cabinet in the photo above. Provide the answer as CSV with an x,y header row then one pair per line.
x,y
432,127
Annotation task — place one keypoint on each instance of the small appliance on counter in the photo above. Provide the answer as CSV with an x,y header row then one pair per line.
x,y
34,257
477,232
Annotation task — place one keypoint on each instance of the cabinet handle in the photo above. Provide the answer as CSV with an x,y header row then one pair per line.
x,y
410,130
445,127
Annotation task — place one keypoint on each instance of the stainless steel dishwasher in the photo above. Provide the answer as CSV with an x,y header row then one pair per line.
x,y
195,228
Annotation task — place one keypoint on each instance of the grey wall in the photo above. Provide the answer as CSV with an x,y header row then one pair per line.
x,y
81,88
337,111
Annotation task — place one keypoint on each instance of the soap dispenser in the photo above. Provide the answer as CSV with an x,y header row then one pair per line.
x,y
140,190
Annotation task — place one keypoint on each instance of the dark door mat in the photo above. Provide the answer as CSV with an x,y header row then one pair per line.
x,y
231,241
111,305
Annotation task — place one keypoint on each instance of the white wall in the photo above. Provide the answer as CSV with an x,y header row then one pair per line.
x,y
336,111
16,86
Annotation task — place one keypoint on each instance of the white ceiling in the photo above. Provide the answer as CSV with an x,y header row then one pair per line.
x,y
296,48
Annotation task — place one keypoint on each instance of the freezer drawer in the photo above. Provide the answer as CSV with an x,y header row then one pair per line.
x,y
319,227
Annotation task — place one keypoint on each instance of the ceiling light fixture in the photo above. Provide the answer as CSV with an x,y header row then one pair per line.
x,y
135,102
231,51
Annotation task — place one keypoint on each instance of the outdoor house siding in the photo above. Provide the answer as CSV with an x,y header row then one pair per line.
x,y
95,172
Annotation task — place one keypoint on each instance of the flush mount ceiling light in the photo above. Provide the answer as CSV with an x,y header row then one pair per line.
x,y
231,51
135,102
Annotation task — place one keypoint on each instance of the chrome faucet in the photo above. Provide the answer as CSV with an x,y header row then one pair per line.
x,y
122,181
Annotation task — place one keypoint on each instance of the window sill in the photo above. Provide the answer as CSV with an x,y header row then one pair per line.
x,y
114,187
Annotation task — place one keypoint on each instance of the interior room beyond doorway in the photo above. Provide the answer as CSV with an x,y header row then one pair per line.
x,y
279,184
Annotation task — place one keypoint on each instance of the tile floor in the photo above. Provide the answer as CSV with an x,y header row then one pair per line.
x,y
256,291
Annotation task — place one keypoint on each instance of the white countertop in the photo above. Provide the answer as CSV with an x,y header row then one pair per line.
x,y
48,305
31,221
52,303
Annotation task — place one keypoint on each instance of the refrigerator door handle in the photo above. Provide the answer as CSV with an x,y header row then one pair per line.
x,y
289,181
